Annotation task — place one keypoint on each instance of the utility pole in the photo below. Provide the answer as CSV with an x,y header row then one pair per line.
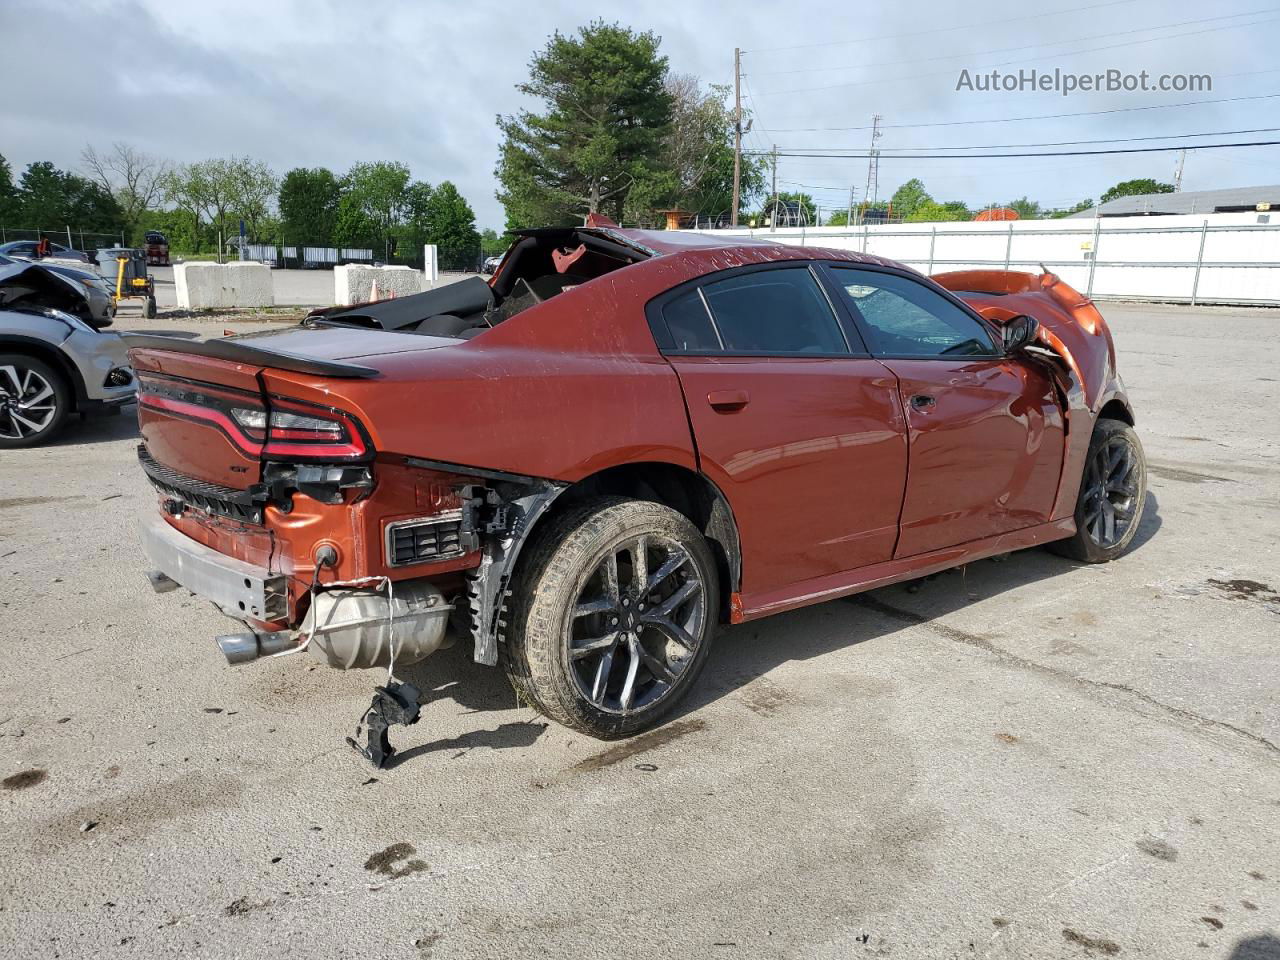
x,y
848,220
873,163
773,220
1177,174
737,135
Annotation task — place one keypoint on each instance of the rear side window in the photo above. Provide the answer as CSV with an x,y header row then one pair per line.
x,y
690,324
774,312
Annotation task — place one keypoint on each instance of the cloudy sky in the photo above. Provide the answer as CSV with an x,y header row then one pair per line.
x,y
329,83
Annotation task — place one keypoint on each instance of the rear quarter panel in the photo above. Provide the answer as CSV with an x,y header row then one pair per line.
x,y
562,390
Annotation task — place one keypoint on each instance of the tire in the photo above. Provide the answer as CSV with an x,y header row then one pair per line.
x,y
649,646
149,311
1110,486
24,401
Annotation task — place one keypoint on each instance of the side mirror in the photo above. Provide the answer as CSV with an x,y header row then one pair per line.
x,y
1020,332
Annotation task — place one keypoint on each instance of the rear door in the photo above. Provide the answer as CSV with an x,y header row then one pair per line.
x,y
986,430
797,425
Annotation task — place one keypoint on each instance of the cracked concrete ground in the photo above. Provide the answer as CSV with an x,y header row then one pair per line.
x,y
1024,759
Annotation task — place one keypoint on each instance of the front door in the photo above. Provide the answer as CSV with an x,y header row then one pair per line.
x,y
985,430
803,433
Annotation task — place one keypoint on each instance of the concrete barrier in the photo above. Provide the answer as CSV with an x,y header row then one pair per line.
x,y
353,283
223,285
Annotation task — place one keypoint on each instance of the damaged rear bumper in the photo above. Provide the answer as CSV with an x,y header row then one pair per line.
x,y
239,589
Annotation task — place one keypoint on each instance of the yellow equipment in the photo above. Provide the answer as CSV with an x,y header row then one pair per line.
x,y
132,282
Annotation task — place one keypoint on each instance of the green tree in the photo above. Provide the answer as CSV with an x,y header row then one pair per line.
x,y
208,189
606,112
909,198
308,205
695,171
1083,205
1026,209
451,226
134,178
415,228
48,197
179,226
8,193
251,186
931,211
493,244
1134,188
185,189
374,203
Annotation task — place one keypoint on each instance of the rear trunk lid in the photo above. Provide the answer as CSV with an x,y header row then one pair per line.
x,y
197,399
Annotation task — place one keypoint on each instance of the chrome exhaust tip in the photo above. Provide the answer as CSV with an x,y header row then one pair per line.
x,y
246,647
238,647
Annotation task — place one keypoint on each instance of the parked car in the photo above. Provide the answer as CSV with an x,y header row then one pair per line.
x,y
52,363
157,249
623,440
490,265
100,305
28,250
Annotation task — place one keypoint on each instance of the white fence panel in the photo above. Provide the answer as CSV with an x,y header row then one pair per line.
x,y
1208,258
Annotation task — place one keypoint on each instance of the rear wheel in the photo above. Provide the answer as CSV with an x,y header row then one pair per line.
x,y
612,617
1113,491
34,401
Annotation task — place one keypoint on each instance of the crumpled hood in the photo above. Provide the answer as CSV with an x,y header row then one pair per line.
x,y
29,284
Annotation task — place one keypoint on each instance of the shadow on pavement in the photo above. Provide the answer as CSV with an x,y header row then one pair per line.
x,y
748,651
77,432
1263,947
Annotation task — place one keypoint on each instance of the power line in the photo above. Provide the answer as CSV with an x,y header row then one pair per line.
x,y
1023,46
1006,63
1056,153
1042,116
963,26
1069,143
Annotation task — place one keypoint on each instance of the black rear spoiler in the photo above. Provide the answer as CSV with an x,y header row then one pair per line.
x,y
238,351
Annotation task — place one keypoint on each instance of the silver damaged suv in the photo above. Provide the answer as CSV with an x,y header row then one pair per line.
x,y
52,362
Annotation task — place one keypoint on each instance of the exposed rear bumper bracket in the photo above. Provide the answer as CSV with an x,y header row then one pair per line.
x,y
238,588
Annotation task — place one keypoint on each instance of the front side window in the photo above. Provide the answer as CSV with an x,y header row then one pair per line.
x,y
903,318
774,312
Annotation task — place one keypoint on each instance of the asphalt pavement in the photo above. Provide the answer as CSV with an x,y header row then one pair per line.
x,y
1027,758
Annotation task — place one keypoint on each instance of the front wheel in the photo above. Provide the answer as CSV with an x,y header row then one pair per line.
x,y
1113,492
34,401
612,616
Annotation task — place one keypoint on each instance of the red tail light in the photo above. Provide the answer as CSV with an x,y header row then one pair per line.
x,y
281,429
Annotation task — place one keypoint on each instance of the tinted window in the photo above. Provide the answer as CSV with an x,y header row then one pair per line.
x,y
690,324
774,312
906,318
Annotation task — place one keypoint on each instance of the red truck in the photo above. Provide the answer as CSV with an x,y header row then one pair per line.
x,y
156,246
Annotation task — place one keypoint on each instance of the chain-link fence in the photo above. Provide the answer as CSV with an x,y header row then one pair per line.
x,y
86,241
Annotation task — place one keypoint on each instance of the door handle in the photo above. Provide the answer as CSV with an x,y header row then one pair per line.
x,y
728,401
922,401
